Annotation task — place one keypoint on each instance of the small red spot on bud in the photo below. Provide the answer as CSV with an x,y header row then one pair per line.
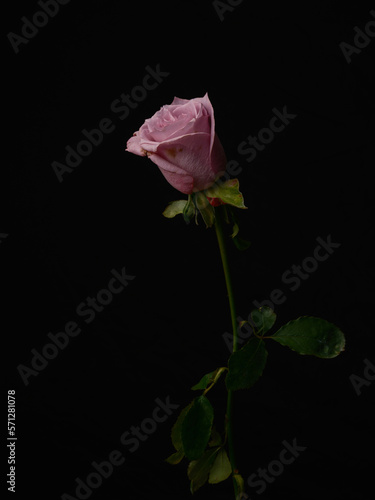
x,y
215,202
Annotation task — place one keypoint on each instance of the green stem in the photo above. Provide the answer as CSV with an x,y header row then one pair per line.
x,y
224,258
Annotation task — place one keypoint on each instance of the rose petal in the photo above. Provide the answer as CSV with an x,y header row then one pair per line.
x,y
150,142
190,155
174,175
134,145
207,104
218,157
178,101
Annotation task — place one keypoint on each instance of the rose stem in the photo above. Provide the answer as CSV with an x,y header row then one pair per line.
x,y
224,258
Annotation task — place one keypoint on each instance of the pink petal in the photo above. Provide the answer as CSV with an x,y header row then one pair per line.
x,y
188,155
177,177
133,145
207,104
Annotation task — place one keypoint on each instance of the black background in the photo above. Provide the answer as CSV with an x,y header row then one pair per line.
x,y
164,331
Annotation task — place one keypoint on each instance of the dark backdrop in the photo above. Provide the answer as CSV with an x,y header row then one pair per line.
x,y
155,339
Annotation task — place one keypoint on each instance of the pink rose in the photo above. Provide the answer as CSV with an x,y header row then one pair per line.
x,y
180,138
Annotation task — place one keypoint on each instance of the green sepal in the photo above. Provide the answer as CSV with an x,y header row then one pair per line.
x,y
228,191
312,336
184,207
206,210
189,210
174,208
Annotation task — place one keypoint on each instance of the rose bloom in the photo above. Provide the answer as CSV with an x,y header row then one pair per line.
x,y
180,139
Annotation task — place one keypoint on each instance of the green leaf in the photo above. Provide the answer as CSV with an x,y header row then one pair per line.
x,y
246,365
215,438
206,210
226,215
208,379
228,192
196,427
204,382
221,468
264,318
198,470
313,336
176,429
241,243
240,485
175,458
174,208
236,229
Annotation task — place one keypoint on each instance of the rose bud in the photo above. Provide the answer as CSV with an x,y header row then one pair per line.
x,y
180,139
